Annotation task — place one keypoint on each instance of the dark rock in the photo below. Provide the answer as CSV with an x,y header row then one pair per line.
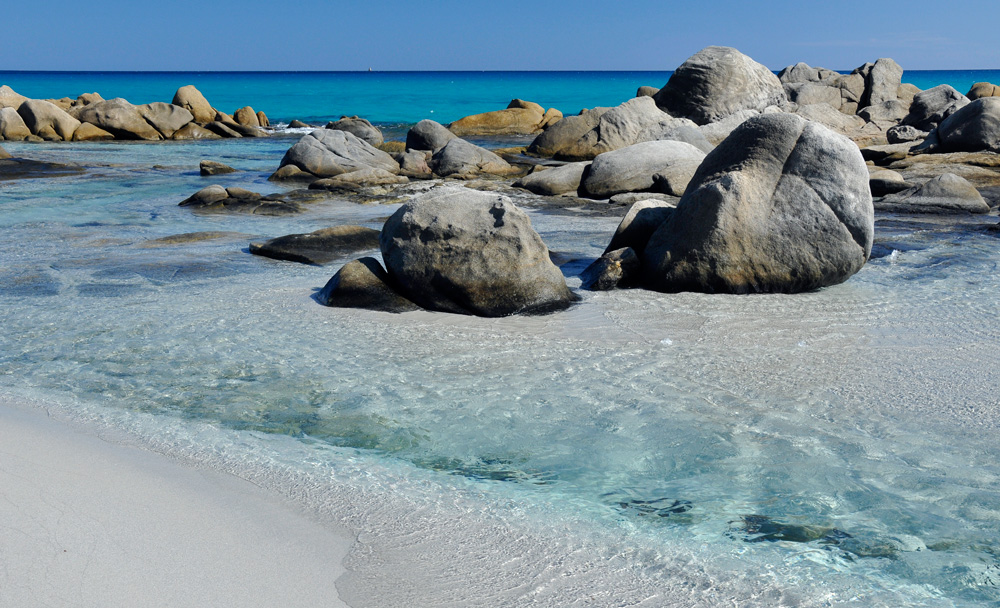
x,y
210,167
237,200
641,221
782,205
298,124
468,252
363,283
618,268
319,247
719,81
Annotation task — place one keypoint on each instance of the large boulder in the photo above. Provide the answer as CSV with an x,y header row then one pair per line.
x,y
555,181
716,82
191,99
165,117
666,165
831,118
882,80
932,106
9,98
246,117
329,152
519,118
782,205
359,127
459,158
43,118
973,128
469,252
979,89
120,118
12,127
428,135
606,129
947,193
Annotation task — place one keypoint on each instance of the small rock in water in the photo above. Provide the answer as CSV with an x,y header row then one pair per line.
x,y
210,167
319,247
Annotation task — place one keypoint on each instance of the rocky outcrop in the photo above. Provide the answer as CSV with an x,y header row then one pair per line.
x,y
329,152
519,118
363,283
564,179
717,82
319,247
191,99
47,120
428,135
165,117
882,80
359,127
945,194
782,205
663,166
12,127
932,106
468,252
603,130
121,119
459,158
237,200
972,128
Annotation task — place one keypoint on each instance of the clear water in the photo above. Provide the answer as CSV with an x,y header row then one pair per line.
x,y
387,98
824,449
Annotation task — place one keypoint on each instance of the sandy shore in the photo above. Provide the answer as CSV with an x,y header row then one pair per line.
x,y
86,522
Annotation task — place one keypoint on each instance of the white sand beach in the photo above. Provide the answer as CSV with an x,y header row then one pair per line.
x,y
86,522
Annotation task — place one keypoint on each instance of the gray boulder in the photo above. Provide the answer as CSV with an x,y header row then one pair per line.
x,y
555,181
413,164
805,93
318,247
12,127
690,134
120,118
829,117
41,117
904,133
191,99
783,205
360,127
641,221
459,158
165,117
932,106
363,283
618,268
719,81
973,128
469,252
804,73
667,164
562,140
882,80
719,130
943,194
428,135
329,152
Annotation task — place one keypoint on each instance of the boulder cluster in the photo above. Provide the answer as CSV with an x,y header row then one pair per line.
x,y
90,117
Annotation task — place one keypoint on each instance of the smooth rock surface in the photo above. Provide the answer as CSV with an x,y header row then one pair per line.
x,y
459,158
210,167
318,247
330,152
12,127
363,283
41,116
191,99
783,205
641,221
428,135
944,194
359,127
468,252
636,168
972,128
554,181
717,82
932,106
194,131
165,117
120,118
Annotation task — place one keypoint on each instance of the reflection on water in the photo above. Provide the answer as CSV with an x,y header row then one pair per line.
x,y
849,431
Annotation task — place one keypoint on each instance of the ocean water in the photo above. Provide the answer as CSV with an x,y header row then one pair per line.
x,y
387,98
833,448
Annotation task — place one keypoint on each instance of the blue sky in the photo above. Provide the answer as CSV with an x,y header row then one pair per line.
x,y
507,35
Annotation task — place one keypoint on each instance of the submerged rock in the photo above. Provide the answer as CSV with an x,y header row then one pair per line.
x,y
210,167
462,251
237,200
717,82
782,205
363,283
319,247
972,128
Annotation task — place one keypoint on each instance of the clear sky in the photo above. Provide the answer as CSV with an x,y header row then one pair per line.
x,y
500,35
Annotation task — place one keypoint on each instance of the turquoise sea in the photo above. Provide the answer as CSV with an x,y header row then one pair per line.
x,y
833,448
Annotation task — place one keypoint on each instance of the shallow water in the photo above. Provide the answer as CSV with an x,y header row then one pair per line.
x,y
828,448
